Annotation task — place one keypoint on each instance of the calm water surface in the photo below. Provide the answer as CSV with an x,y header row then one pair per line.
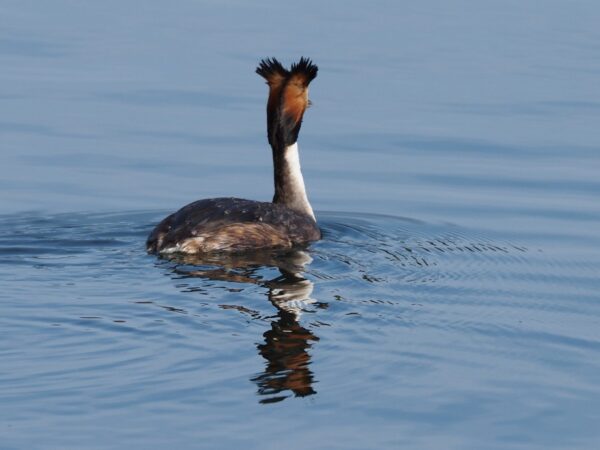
x,y
452,156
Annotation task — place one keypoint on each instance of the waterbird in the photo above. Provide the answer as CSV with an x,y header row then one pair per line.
x,y
235,225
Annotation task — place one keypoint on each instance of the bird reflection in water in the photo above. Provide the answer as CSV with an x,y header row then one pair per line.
x,y
286,345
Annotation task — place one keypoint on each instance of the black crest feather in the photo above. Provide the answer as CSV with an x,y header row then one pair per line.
x,y
305,67
269,67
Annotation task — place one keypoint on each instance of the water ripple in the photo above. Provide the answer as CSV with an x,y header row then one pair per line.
x,y
381,301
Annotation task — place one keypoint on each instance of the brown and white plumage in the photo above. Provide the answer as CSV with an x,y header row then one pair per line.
x,y
236,225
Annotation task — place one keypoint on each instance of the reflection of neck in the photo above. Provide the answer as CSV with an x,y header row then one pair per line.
x,y
286,350
289,183
292,297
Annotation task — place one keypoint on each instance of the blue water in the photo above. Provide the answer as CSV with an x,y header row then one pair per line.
x,y
451,154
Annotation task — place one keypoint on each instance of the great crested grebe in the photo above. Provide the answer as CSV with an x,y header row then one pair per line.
x,y
235,225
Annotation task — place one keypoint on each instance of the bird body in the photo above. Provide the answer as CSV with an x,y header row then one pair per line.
x,y
234,225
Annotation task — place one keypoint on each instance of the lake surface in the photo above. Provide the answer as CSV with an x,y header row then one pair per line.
x,y
452,156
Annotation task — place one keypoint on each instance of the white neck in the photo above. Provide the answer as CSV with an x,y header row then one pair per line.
x,y
292,157
289,188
